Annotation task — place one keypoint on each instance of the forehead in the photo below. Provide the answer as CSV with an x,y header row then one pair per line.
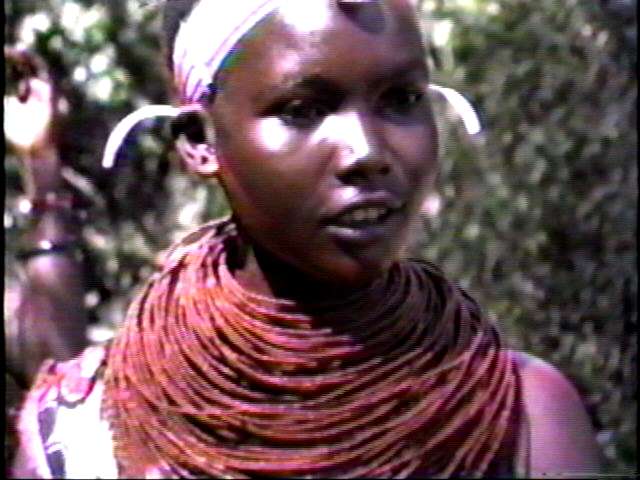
x,y
316,23
319,37
370,15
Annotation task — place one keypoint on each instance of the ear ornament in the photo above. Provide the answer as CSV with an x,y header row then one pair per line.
x,y
124,126
461,106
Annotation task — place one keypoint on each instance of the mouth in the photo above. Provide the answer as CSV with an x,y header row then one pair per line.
x,y
367,220
363,217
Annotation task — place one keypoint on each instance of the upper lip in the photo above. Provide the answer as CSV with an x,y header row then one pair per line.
x,y
380,199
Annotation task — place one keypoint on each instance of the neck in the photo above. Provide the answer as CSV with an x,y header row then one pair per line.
x,y
261,272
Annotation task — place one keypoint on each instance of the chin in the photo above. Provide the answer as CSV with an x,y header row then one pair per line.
x,y
361,267
358,273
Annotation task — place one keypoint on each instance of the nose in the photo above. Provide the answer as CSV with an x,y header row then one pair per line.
x,y
359,153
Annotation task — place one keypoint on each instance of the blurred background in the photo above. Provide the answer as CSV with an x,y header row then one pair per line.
x,y
535,216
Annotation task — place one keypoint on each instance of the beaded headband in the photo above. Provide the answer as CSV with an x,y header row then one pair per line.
x,y
204,41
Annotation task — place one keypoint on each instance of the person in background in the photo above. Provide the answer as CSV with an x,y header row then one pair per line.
x,y
49,320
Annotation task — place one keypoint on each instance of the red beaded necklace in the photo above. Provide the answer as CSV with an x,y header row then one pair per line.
x,y
206,378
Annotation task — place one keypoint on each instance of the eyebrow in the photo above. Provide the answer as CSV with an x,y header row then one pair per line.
x,y
316,82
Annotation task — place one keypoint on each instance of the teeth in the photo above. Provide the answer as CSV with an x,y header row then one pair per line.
x,y
364,215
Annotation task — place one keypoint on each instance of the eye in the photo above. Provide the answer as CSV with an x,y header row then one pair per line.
x,y
303,113
401,100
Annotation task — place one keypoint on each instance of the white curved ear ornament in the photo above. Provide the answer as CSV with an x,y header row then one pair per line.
x,y
124,126
462,107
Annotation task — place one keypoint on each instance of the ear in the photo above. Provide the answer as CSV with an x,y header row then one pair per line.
x,y
200,158
195,141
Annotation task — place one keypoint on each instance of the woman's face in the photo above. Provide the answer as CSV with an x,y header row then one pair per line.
x,y
325,137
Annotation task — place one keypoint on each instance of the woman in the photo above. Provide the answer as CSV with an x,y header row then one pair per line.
x,y
294,339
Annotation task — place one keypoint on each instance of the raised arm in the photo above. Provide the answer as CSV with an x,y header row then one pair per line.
x,y
50,320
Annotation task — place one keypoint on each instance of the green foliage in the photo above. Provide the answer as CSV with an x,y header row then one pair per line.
x,y
538,212
105,58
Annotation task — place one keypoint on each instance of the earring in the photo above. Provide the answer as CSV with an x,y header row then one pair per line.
x,y
461,106
124,126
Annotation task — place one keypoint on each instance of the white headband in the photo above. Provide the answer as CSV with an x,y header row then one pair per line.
x,y
207,36
203,42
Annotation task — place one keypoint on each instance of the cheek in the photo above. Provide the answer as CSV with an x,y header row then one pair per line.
x,y
272,135
265,181
418,148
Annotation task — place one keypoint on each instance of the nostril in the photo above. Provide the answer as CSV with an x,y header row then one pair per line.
x,y
352,177
385,170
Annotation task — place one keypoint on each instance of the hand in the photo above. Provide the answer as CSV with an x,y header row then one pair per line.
x,y
28,114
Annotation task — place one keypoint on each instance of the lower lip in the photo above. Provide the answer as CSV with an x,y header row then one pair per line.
x,y
368,234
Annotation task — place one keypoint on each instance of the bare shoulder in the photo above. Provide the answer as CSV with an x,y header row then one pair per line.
x,y
562,439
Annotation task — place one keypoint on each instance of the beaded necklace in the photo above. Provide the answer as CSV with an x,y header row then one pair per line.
x,y
206,378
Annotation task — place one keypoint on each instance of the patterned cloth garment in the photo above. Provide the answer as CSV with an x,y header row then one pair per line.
x,y
63,434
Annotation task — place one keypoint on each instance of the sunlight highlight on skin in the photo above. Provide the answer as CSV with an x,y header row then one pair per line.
x,y
306,16
273,134
347,130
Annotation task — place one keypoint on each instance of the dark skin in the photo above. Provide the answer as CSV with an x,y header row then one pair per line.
x,y
282,178
315,114
50,316
332,126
